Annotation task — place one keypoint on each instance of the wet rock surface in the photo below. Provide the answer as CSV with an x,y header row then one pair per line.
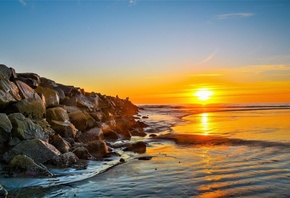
x,y
46,123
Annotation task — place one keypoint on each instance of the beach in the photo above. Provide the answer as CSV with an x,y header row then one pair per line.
x,y
233,152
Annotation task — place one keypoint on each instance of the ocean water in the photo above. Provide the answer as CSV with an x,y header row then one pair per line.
x,y
200,151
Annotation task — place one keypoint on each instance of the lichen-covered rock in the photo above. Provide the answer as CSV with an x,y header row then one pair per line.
x,y
137,147
57,114
66,159
97,148
22,165
64,129
62,145
9,92
5,128
51,96
90,135
36,149
3,192
24,129
32,107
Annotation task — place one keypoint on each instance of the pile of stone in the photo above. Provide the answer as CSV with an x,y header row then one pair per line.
x,y
44,122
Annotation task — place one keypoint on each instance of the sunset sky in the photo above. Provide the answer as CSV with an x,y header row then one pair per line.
x,y
154,51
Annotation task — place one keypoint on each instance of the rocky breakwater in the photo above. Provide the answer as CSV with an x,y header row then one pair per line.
x,y
43,122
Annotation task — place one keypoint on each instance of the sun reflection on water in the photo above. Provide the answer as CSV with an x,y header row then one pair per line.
x,y
204,122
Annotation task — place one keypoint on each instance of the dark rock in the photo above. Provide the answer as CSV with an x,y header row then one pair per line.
x,y
124,134
24,129
66,160
3,192
46,128
122,160
83,153
5,129
97,148
66,89
111,135
57,114
5,71
64,129
141,124
138,147
145,158
90,135
98,115
51,96
152,135
9,92
45,82
14,141
138,132
31,79
36,149
62,145
22,164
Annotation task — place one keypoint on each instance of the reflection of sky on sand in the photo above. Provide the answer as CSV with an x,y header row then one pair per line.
x,y
268,125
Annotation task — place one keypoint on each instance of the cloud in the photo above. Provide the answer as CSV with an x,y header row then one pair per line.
x,y
234,15
23,2
263,68
211,56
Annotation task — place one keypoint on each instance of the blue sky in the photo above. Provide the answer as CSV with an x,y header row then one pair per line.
x,y
114,46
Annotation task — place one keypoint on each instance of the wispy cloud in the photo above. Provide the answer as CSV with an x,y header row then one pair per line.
x,y
209,57
23,2
234,15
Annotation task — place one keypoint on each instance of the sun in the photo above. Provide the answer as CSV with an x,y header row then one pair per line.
x,y
203,94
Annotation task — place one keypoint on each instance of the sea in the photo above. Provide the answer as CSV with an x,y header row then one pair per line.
x,y
233,150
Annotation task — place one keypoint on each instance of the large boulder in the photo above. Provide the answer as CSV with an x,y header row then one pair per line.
x,y
97,148
81,120
7,72
36,149
9,92
83,153
31,107
62,145
24,129
57,114
137,147
51,96
25,90
64,129
66,159
5,128
90,135
31,79
22,165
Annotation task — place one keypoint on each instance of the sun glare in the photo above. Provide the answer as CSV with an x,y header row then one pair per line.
x,y
203,94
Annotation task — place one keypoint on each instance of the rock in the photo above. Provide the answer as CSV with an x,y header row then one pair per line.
x,y
124,134
111,135
45,82
138,132
46,128
36,149
82,120
66,160
31,79
64,129
62,145
31,107
138,147
14,141
97,148
90,135
25,91
5,71
22,164
3,192
5,128
145,158
57,114
9,92
153,135
51,96
66,89
24,129
83,153
98,115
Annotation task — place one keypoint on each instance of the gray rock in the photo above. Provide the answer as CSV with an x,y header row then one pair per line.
x,y
83,153
25,91
82,120
31,79
36,149
5,71
66,160
62,145
24,129
32,107
97,148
